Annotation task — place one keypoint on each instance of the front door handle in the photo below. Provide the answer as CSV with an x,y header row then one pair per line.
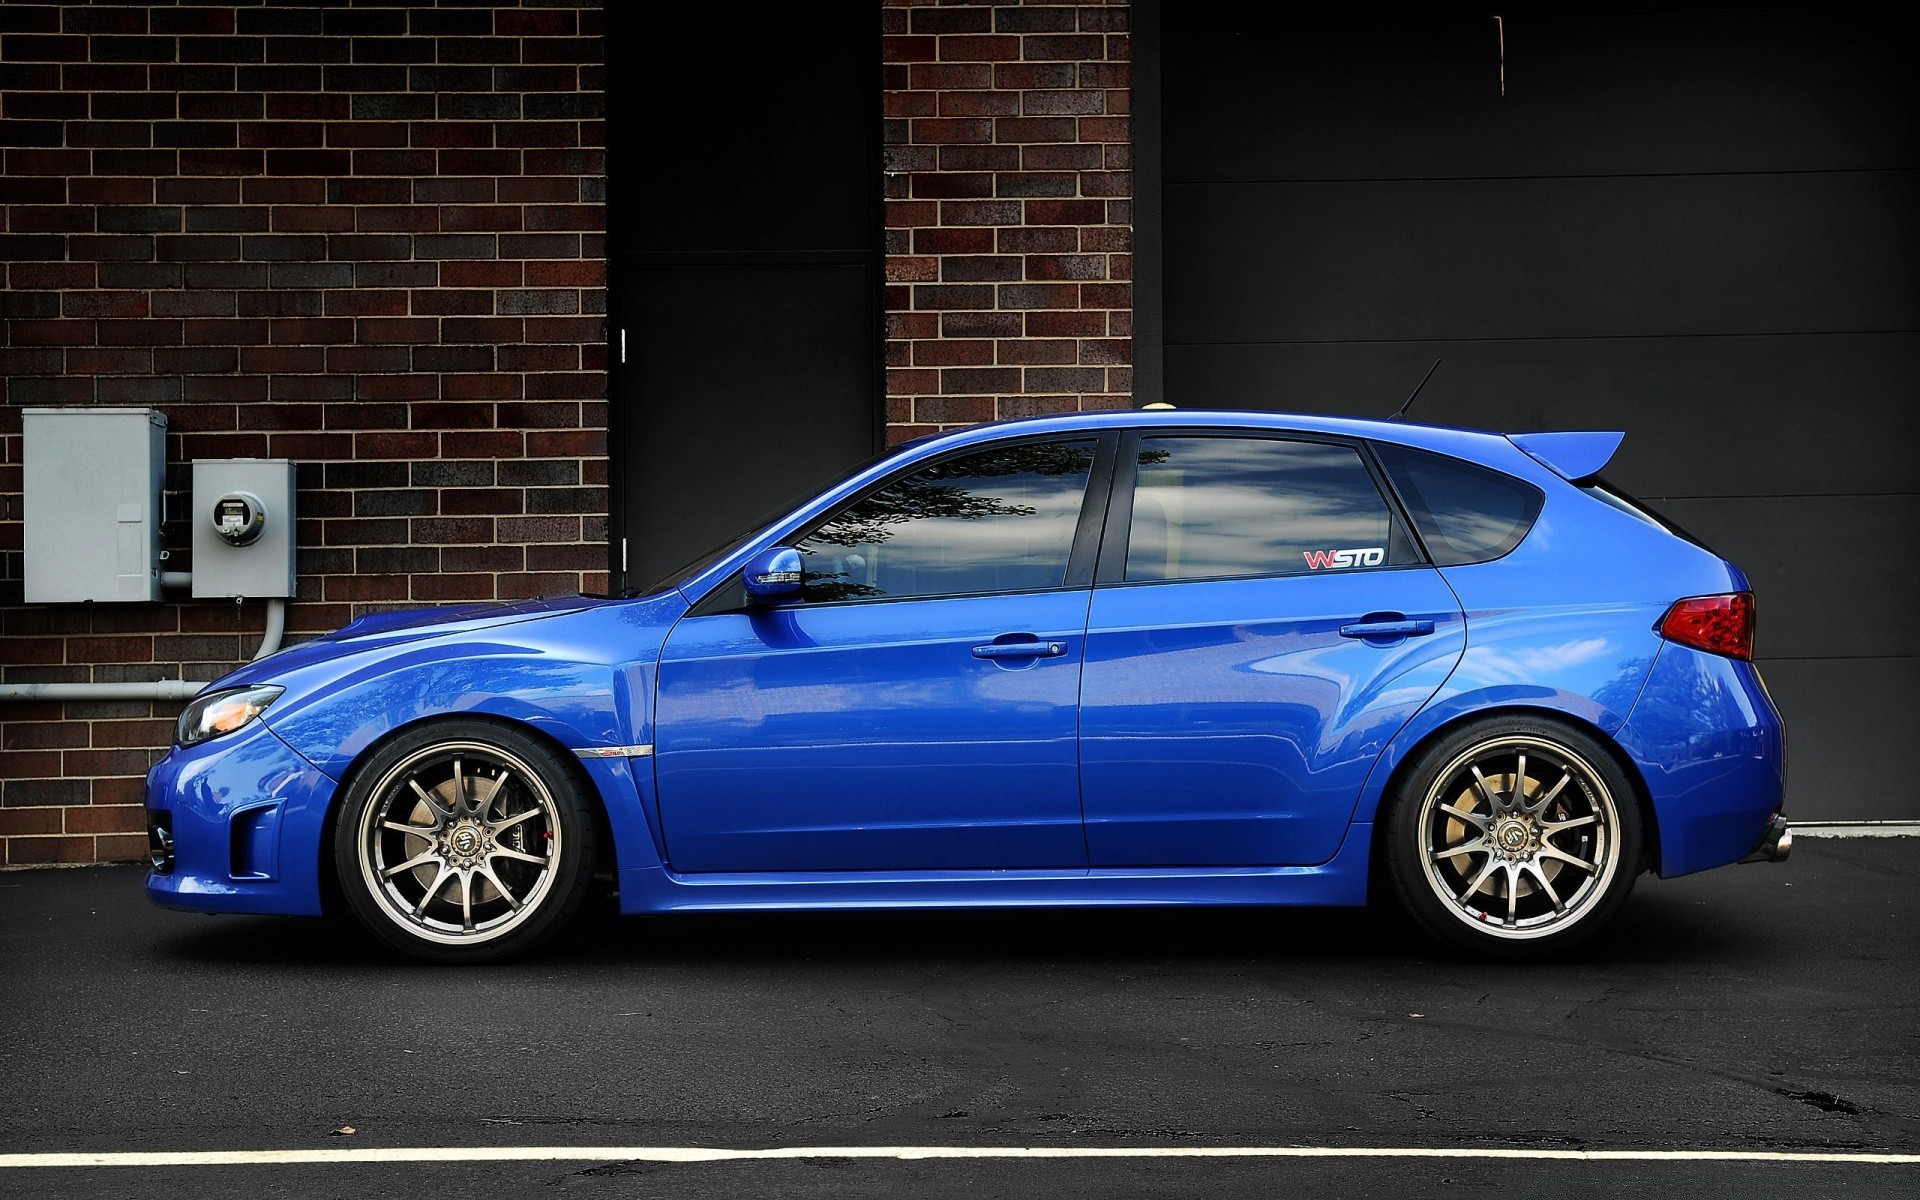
x,y
1387,629
1035,649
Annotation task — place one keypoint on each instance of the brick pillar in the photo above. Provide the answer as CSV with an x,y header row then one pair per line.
x,y
1008,212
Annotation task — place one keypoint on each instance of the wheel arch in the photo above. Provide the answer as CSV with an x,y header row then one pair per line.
x,y
333,900
1412,754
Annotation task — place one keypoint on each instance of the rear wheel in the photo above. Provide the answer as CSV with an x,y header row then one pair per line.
x,y
1514,838
465,841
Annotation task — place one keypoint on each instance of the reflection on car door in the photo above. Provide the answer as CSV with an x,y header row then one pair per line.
x,y
916,710
1262,626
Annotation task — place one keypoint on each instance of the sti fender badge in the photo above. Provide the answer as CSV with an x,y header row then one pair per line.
x,y
1320,560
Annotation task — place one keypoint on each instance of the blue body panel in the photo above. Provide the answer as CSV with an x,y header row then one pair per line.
x,y
1228,721
863,737
1190,743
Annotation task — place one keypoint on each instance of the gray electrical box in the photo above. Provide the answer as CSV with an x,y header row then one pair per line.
x,y
242,528
91,480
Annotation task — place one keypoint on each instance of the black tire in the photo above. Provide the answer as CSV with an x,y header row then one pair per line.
x,y
1523,860
464,841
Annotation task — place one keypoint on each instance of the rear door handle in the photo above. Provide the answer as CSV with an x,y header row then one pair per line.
x,y
1020,650
1386,629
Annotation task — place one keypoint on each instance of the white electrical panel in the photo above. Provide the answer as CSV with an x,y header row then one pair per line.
x,y
242,522
91,484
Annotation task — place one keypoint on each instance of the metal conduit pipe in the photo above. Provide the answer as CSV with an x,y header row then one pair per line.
x,y
155,690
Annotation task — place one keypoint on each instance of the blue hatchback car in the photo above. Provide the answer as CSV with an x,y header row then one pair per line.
x,y
1103,659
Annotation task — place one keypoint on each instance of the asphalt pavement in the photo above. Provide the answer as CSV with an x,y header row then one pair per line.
x,y
1760,1008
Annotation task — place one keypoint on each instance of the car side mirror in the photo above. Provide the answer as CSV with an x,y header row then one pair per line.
x,y
773,575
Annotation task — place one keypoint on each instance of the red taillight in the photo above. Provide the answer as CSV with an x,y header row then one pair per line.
x,y
1716,624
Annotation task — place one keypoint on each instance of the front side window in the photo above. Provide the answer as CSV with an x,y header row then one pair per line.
x,y
1220,507
1000,520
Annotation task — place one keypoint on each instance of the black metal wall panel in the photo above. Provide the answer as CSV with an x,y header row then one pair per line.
x,y
1638,256
1270,91
1699,227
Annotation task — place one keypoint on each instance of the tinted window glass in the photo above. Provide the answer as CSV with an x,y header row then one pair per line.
x,y
1466,514
999,521
1206,507
1608,494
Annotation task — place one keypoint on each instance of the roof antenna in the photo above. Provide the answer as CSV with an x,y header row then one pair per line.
x,y
1402,410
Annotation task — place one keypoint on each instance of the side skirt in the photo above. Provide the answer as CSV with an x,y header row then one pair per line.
x,y
1340,881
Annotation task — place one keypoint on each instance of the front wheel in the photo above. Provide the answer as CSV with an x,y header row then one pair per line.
x,y
1514,838
465,841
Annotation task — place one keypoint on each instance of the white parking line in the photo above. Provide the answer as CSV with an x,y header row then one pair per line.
x,y
690,1154
1856,829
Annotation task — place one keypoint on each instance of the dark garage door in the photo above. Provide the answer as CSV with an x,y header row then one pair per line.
x,y
744,267
1697,227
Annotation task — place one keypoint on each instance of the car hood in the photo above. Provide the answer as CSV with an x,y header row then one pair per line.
x,y
378,631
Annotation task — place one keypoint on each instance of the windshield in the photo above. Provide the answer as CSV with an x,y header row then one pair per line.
x,y
679,575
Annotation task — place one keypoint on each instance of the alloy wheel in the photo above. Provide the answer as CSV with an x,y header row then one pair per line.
x,y
459,842
1519,837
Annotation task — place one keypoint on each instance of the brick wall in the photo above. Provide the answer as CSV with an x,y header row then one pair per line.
x,y
1008,212
365,238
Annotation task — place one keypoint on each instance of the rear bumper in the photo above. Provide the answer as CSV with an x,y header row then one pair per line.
x,y
1712,750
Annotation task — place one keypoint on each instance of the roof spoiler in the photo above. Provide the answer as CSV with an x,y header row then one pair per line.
x,y
1570,455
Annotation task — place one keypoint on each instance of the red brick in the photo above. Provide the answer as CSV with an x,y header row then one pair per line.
x,y
977,48
949,76
1065,212
976,104
14,821
1033,129
120,847
40,851
1065,324
1029,351
934,131
1061,47
950,410
111,818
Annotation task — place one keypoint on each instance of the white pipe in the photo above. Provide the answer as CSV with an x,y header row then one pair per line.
x,y
176,579
160,690
276,629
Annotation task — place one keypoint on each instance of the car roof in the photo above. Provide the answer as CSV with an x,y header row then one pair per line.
x,y
1470,443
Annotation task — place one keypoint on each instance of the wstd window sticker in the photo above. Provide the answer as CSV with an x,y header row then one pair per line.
x,y
1368,556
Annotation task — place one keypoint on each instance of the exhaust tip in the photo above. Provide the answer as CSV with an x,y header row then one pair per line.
x,y
1776,842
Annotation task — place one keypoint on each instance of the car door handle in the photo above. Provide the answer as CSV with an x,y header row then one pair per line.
x,y
1386,629
1020,650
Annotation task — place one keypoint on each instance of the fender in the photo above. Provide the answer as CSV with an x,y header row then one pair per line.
x,y
587,682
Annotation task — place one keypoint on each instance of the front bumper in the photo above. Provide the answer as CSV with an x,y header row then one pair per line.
x,y
242,821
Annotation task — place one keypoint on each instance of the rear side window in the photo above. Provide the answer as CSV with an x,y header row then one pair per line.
x,y
1220,507
1465,513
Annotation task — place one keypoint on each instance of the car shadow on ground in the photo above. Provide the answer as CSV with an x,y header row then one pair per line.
x,y
1653,929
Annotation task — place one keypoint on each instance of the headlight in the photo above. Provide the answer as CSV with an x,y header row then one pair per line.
x,y
223,712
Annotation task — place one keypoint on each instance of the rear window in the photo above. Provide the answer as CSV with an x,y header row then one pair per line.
x,y
1610,495
1465,513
